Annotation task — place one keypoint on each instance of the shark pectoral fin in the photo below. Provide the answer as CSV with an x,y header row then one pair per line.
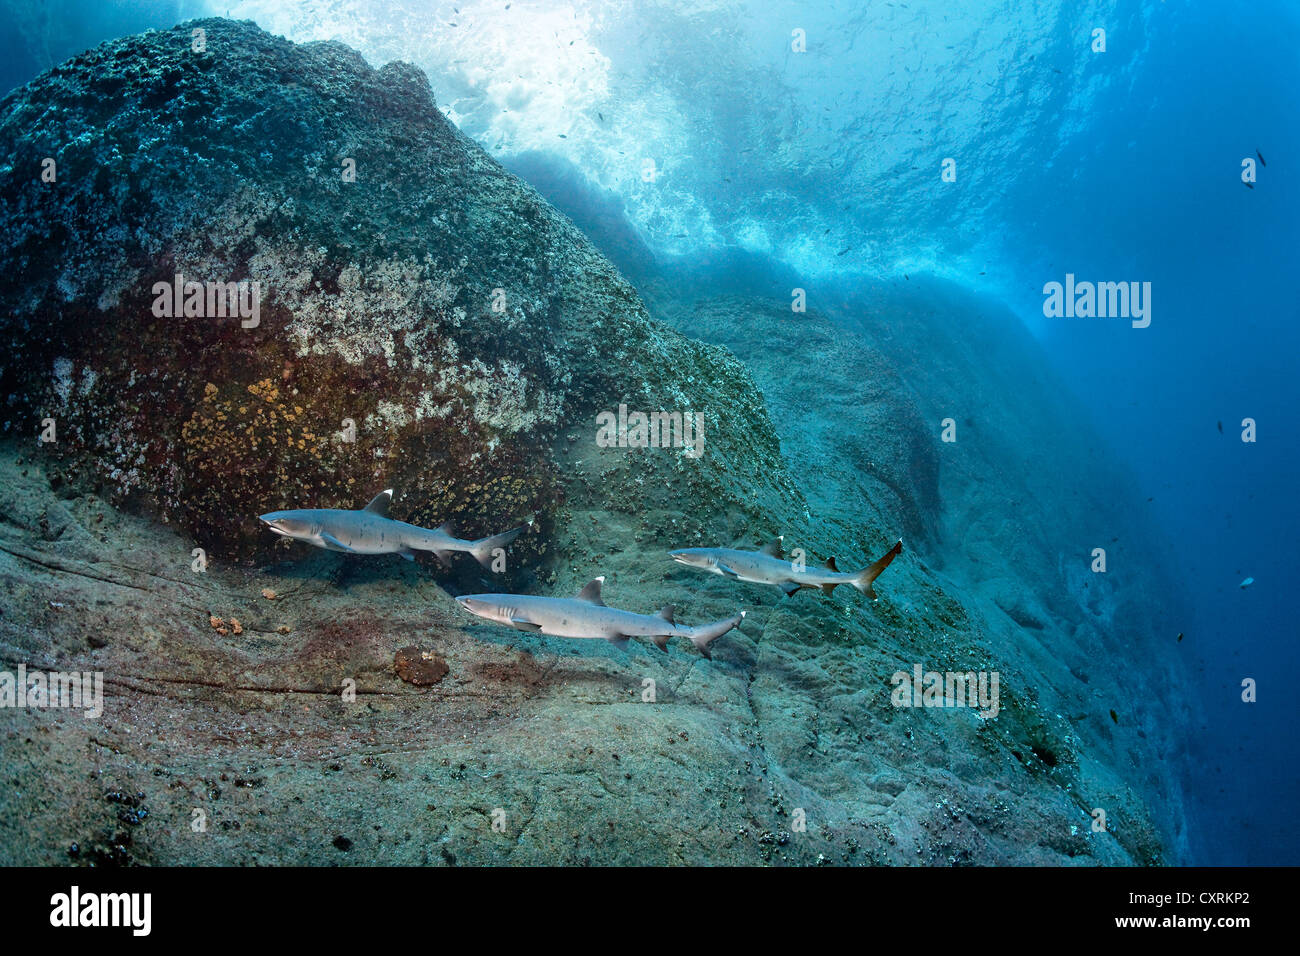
x,y
726,571
620,641
519,624
407,553
789,587
334,544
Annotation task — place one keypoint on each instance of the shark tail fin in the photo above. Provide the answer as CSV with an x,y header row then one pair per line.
x,y
705,634
483,548
868,574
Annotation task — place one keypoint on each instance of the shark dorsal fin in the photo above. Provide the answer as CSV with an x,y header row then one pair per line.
x,y
379,503
667,613
591,593
830,563
448,529
773,547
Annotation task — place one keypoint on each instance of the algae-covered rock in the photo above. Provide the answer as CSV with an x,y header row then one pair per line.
x,y
413,316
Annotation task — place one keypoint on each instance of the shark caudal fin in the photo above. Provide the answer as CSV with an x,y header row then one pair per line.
x,y
705,634
868,574
483,549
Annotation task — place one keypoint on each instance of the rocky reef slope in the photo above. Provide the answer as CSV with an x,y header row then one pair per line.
x,y
293,705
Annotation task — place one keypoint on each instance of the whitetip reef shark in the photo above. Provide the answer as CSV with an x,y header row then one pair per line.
x,y
371,531
769,567
587,616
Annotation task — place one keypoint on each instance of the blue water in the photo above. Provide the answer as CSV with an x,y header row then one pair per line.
x,y
692,137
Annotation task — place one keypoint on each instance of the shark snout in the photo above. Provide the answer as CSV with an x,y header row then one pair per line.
x,y
489,610
291,524
275,523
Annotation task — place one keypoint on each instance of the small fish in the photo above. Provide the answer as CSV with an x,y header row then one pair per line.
x,y
1180,637
1220,428
601,115
1247,583
1261,158
1114,717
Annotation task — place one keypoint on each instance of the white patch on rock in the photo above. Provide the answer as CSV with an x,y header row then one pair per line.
x,y
63,379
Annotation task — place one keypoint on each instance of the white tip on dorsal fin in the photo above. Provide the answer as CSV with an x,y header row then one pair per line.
x,y
591,592
379,503
773,547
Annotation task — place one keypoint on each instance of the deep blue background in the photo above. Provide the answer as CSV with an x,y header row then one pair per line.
x,y
1161,199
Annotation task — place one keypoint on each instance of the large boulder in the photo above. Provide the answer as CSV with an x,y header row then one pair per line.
x,y
413,296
